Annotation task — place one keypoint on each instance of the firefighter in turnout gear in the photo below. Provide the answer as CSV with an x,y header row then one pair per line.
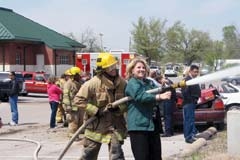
x,y
94,96
61,116
74,116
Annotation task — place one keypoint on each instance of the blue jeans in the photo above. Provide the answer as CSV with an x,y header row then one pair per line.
x,y
54,107
14,108
189,127
168,106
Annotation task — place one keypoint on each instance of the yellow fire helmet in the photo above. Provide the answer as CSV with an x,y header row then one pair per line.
x,y
67,72
105,60
75,70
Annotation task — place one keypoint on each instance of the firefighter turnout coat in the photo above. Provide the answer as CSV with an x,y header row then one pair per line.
x,y
93,96
70,89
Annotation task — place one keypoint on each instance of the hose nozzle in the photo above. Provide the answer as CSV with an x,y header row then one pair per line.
x,y
179,84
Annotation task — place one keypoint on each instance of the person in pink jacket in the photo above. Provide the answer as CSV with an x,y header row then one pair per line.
x,y
54,93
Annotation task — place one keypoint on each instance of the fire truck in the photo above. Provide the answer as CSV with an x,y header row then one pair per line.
x,y
87,61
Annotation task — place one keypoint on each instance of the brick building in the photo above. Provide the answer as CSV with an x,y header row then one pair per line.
x,y
28,46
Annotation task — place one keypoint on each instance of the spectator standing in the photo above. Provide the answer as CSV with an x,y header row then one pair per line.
x,y
143,126
54,93
168,107
152,76
94,96
191,95
13,98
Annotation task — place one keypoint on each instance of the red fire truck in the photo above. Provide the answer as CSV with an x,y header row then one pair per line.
x,y
87,61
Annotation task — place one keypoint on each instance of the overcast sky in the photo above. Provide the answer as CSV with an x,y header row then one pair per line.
x,y
114,18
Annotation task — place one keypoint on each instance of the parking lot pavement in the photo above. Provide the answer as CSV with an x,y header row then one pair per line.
x,y
171,147
51,149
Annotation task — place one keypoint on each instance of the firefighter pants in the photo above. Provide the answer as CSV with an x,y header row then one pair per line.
x,y
91,149
60,117
75,120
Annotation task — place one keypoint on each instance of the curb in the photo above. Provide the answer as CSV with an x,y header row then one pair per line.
x,y
200,142
192,148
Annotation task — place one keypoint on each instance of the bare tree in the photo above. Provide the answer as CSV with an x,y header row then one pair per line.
x,y
89,39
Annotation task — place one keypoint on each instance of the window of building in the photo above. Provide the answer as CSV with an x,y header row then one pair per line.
x,y
64,59
126,61
18,59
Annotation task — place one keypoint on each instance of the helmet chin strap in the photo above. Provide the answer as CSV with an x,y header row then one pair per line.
x,y
110,76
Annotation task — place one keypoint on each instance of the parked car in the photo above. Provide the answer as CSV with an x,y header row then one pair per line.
x,y
156,68
232,79
5,87
204,71
209,110
170,72
35,82
230,96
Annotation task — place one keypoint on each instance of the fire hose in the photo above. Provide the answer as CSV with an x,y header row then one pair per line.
x,y
114,104
35,154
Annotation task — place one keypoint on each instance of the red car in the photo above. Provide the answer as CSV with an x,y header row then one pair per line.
x,y
209,110
35,82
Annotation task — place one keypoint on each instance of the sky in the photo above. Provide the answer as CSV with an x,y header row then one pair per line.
x,y
114,18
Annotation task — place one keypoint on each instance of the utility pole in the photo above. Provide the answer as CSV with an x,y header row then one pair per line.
x,y
130,44
101,43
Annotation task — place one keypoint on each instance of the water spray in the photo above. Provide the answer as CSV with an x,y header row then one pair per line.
x,y
215,76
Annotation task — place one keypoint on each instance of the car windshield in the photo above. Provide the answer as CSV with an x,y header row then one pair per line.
x,y
47,75
28,76
4,75
153,67
169,68
226,88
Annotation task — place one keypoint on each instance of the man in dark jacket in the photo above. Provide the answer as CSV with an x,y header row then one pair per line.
x,y
13,98
190,98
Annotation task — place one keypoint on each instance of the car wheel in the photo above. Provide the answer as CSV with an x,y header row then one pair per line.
x,y
234,107
220,126
24,94
234,82
5,99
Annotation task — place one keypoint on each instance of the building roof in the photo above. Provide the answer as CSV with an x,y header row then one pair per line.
x,y
19,28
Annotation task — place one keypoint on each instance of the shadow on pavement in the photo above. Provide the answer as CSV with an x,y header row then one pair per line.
x,y
37,95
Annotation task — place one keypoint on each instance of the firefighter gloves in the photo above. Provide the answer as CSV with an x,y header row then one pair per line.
x,y
111,108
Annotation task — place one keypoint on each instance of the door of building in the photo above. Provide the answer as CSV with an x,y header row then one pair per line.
x,y
40,62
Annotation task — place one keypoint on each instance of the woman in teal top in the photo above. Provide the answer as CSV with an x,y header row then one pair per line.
x,y
142,129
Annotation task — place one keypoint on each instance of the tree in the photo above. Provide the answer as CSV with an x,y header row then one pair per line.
x,y
215,53
232,41
190,46
89,39
148,38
